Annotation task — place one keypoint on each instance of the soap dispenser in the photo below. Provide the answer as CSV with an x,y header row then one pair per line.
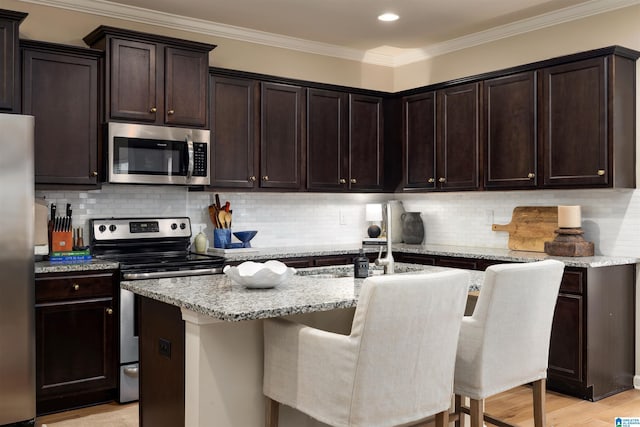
x,y
361,266
200,242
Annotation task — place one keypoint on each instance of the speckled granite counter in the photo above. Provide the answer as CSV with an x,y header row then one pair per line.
x,y
217,296
442,250
64,267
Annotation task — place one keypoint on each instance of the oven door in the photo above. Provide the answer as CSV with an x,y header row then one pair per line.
x,y
128,389
143,154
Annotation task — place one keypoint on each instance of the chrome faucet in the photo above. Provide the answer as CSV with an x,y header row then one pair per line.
x,y
387,261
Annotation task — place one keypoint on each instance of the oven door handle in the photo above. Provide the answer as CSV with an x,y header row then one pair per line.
x,y
131,372
189,141
177,273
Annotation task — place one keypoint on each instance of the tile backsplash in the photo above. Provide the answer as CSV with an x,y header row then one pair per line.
x,y
611,218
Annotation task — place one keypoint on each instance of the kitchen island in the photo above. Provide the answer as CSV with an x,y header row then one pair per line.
x,y
223,344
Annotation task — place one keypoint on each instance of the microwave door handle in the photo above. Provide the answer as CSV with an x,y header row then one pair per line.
x,y
190,155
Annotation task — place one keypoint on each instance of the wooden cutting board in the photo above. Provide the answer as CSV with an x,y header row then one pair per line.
x,y
530,227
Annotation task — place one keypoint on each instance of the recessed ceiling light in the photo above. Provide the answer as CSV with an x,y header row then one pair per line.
x,y
388,17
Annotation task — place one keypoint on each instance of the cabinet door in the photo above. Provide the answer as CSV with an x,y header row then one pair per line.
x,y
74,349
9,61
280,136
133,81
510,136
574,120
233,116
365,143
419,140
61,91
567,341
326,133
458,138
185,86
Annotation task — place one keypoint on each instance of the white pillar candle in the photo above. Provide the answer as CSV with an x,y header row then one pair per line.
x,y
569,217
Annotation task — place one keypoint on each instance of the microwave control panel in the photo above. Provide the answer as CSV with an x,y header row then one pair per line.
x,y
199,159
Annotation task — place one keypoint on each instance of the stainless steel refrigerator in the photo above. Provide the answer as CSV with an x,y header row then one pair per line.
x,y
17,315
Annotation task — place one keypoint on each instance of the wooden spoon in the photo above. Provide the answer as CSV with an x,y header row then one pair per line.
x,y
227,219
222,216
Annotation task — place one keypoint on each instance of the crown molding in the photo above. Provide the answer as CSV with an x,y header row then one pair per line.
x,y
146,16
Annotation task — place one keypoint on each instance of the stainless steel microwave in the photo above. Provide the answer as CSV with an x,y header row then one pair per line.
x,y
145,154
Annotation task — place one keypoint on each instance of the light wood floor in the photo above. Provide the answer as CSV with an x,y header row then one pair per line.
x,y
513,407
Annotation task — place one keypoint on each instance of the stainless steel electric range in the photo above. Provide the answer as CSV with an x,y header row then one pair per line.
x,y
145,248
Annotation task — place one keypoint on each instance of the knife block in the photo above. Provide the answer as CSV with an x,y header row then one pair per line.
x,y
60,241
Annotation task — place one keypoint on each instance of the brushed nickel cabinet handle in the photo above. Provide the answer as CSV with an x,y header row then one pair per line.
x,y
252,178
531,175
265,178
170,112
76,287
353,181
442,179
600,172
431,180
93,173
109,311
153,109
342,181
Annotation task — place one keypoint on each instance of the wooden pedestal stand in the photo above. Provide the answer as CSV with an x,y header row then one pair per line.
x,y
569,242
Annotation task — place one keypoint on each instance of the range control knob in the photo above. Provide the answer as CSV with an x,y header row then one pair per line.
x,y
174,226
112,228
102,228
183,226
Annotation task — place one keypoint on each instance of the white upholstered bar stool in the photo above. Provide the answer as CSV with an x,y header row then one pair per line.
x,y
505,343
395,368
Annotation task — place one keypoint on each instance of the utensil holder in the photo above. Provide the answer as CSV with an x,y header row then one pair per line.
x,y
221,237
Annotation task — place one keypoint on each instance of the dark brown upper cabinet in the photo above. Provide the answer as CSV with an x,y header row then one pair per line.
x,y
366,150
234,114
458,144
153,79
60,89
441,139
419,141
588,123
9,60
510,138
281,146
326,136
344,141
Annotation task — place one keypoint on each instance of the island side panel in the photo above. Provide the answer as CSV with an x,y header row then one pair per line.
x,y
161,337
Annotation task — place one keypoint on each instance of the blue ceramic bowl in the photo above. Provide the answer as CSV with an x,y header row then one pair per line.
x,y
245,237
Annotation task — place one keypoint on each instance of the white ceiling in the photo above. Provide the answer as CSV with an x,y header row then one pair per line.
x,y
349,28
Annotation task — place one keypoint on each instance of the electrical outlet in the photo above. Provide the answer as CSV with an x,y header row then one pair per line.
x,y
164,348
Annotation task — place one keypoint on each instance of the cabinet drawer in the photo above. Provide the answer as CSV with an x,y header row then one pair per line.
x,y
73,287
573,281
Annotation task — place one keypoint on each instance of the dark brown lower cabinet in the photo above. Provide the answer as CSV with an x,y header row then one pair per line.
x,y
76,345
591,355
162,353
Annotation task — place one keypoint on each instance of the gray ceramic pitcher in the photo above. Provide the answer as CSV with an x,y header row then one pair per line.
x,y
412,228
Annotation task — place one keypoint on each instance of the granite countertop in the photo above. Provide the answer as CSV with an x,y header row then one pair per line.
x,y
217,296
442,250
69,267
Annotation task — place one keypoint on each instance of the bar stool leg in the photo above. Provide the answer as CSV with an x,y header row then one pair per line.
x,y
539,397
273,410
476,412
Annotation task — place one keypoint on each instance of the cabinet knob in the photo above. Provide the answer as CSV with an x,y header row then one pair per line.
x,y
76,287
600,172
170,112
153,109
353,181
431,180
265,178
343,181
93,173
531,175
442,179
109,311
252,178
